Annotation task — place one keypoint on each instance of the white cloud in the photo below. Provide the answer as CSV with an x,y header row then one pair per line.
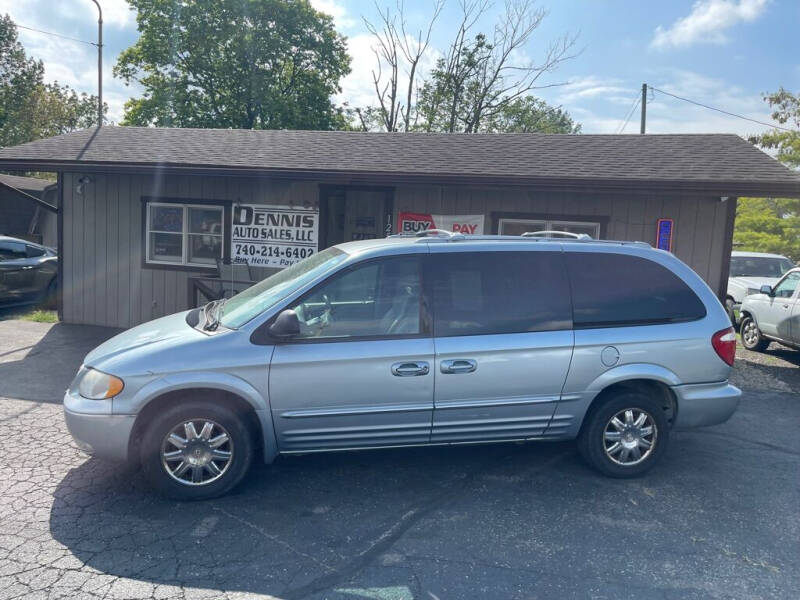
x,y
336,10
707,22
590,86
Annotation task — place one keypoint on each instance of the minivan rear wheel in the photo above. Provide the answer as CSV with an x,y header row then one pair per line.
x,y
196,450
625,435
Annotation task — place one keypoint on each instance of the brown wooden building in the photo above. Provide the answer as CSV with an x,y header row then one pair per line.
x,y
144,210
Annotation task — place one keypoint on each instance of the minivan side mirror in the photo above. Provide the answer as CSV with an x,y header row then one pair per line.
x,y
766,289
286,325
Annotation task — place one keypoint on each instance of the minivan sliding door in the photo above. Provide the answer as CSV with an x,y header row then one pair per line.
x,y
503,338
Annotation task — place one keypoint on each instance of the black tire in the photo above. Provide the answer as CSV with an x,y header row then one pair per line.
x,y
729,309
592,442
756,342
226,421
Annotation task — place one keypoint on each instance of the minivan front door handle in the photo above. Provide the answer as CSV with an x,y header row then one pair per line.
x,y
458,365
410,369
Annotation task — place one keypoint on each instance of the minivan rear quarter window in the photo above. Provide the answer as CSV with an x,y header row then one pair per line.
x,y
611,290
480,293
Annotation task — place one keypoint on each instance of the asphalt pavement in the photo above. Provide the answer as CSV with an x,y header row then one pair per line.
x,y
718,518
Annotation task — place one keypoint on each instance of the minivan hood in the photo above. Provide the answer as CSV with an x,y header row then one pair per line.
x,y
159,334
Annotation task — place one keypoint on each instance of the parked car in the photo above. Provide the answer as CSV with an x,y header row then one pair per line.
x,y
28,272
748,272
773,314
441,339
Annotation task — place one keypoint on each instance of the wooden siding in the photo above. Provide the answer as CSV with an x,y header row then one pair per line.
x,y
104,282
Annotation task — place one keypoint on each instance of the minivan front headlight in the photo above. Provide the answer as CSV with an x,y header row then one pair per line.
x,y
96,385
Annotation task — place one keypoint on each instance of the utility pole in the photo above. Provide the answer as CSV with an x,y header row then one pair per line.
x,y
99,63
644,108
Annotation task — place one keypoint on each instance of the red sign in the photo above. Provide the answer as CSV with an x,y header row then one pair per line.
x,y
409,222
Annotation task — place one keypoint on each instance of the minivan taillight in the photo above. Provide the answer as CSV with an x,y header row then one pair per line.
x,y
724,343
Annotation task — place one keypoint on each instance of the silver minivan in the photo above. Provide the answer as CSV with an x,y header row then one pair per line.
x,y
432,339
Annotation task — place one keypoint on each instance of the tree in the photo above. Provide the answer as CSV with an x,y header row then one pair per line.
x,y
768,225
480,83
530,115
29,108
250,64
786,112
399,53
773,224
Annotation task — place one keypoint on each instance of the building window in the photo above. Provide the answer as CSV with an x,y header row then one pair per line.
x,y
520,226
184,234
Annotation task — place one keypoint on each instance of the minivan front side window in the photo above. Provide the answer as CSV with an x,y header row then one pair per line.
x,y
267,293
375,299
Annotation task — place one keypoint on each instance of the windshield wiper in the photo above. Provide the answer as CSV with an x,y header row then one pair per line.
x,y
212,314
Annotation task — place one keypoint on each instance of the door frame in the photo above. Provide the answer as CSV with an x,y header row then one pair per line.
x,y
325,189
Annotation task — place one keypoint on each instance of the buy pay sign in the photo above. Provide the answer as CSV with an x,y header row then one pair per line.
x,y
409,222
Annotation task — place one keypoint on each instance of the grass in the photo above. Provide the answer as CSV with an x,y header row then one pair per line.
x,y
40,316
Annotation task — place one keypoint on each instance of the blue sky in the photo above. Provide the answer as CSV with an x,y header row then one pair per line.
x,y
719,52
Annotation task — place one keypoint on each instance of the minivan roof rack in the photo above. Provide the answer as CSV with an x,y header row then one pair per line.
x,y
557,235
439,233
448,236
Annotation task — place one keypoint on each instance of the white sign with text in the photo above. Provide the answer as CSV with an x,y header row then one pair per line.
x,y
265,235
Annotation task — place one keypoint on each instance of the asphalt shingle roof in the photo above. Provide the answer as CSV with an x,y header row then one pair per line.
x,y
716,162
29,184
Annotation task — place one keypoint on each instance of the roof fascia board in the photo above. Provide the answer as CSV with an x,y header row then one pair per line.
x,y
717,188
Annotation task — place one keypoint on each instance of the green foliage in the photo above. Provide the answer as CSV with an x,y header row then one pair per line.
x,y
41,316
530,115
773,224
786,111
250,64
768,225
29,108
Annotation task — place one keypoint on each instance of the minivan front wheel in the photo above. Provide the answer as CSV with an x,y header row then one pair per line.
x,y
196,450
625,436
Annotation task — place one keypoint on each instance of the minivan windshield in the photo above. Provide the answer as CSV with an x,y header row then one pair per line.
x,y
264,295
759,266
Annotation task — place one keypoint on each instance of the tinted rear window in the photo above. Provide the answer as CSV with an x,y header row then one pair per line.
x,y
478,293
616,289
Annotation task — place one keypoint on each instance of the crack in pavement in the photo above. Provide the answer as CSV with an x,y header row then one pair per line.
x,y
410,518
731,436
20,413
274,538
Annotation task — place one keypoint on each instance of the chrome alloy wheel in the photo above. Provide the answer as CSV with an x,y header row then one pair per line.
x,y
630,436
750,333
193,458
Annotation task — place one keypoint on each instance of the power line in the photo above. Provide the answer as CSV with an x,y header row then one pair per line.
x,y
66,37
725,112
632,109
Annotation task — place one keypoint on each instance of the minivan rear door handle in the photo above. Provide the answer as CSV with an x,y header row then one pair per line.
x,y
410,369
458,365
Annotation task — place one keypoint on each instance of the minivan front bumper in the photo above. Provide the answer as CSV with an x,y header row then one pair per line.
x,y
704,404
95,430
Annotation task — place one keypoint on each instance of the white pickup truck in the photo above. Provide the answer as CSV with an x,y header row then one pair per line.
x,y
749,271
